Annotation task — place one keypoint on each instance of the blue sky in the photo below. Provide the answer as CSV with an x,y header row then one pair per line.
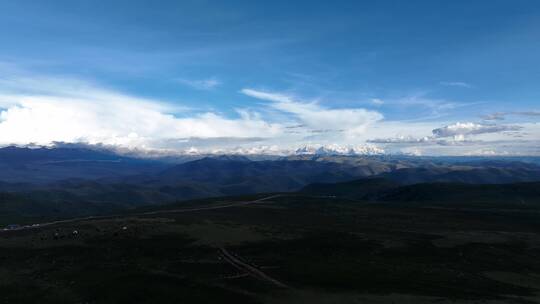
x,y
251,74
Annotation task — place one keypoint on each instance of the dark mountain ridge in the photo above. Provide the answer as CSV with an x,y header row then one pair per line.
x,y
465,174
14,154
462,195
47,165
93,181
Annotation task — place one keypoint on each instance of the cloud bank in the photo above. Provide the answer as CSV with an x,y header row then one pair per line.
x,y
469,128
199,84
352,121
456,84
45,110
41,110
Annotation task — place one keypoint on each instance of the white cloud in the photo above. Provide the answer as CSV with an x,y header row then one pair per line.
x,y
460,130
463,139
43,119
44,110
486,152
436,107
403,140
351,121
377,101
200,84
276,97
527,113
426,140
502,115
495,116
456,84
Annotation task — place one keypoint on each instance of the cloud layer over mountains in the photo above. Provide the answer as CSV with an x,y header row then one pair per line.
x,y
42,110
469,128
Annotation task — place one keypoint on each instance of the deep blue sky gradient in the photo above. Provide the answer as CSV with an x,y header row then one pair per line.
x,y
343,53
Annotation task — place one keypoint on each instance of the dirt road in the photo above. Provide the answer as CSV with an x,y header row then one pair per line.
x,y
246,267
179,210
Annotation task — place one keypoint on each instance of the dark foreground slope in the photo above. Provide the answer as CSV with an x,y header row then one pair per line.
x,y
519,195
380,190
360,189
486,173
301,248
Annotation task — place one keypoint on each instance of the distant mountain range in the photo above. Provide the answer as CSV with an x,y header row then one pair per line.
x,y
80,180
339,150
45,165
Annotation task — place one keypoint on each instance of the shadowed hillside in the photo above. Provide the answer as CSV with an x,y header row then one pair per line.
x,y
515,195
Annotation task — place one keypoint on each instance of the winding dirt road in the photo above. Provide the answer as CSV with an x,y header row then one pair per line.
x,y
249,269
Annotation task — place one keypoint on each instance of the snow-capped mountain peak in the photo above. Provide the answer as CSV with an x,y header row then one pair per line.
x,y
338,150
